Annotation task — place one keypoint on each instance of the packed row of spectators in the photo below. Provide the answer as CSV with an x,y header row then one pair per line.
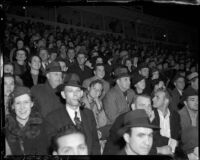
x,y
63,83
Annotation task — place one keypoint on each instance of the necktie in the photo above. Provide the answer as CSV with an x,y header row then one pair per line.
x,y
77,121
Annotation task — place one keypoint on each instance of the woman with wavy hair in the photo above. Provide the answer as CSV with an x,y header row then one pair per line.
x,y
24,128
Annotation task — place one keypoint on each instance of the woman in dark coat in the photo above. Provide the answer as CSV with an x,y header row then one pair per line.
x,y
25,132
33,76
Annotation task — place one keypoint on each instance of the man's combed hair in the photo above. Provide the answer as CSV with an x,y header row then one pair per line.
x,y
64,131
95,82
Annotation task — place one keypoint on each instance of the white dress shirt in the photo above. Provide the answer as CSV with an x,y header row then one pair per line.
x,y
71,113
165,124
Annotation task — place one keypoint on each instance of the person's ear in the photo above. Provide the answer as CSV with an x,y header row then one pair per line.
x,y
126,137
32,103
117,81
174,83
166,101
185,103
63,94
81,93
47,75
29,64
55,153
133,106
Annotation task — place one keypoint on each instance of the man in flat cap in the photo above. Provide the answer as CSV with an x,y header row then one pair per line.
x,y
45,94
119,98
194,81
189,113
137,133
74,113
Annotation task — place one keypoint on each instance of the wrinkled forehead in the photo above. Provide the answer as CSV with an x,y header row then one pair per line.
x,y
72,88
141,130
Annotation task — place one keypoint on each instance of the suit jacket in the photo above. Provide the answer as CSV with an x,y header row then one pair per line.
x,y
45,98
60,118
175,128
115,103
115,142
175,99
185,118
28,81
122,152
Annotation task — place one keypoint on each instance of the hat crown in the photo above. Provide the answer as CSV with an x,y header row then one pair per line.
x,y
21,90
192,76
121,72
53,67
136,116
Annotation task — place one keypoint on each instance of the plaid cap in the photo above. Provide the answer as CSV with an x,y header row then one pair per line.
x,y
188,92
53,67
120,72
192,75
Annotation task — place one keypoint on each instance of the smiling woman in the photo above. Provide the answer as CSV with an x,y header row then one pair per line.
x,y
24,127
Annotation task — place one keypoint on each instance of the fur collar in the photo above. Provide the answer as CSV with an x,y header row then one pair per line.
x,y
30,130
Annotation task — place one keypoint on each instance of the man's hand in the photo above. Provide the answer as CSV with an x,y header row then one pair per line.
x,y
173,144
165,150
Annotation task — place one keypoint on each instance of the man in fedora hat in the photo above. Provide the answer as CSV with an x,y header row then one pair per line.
x,y
74,113
116,142
45,94
120,97
189,113
137,133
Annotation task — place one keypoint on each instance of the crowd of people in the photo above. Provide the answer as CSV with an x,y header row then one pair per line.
x,y
72,92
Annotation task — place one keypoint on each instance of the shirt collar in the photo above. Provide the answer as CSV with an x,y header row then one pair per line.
x,y
69,109
161,114
179,91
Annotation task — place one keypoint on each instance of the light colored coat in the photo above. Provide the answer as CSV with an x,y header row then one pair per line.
x,y
115,103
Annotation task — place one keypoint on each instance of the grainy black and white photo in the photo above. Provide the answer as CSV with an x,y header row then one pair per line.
x,y
92,79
